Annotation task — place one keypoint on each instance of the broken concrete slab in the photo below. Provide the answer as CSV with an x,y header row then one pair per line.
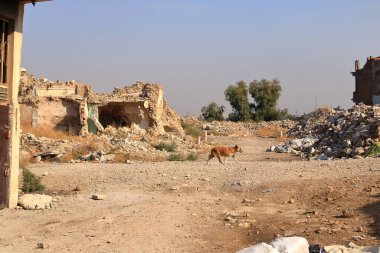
x,y
35,201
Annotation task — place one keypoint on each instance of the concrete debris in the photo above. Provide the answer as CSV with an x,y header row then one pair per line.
x,y
334,133
35,201
113,145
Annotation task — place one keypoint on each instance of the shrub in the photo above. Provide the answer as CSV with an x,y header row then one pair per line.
x,y
175,157
170,147
31,182
192,157
192,130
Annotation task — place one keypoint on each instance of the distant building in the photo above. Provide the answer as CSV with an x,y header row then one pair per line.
x,y
367,82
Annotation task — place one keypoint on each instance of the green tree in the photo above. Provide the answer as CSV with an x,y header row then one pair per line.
x,y
237,95
213,112
265,94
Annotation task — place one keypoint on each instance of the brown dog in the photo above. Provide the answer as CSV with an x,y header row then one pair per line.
x,y
225,152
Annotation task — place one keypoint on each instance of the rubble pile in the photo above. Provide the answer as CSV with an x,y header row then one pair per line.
x,y
113,142
334,133
244,128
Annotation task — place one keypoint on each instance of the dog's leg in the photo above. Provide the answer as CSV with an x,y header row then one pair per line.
x,y
210,157
219,159
235,159
225,160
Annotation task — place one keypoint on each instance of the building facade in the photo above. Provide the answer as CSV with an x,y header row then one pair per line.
x,y
367,82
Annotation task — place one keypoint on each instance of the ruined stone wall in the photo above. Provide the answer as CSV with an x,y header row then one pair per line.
x,y
367,82
54,114
63,106
146,106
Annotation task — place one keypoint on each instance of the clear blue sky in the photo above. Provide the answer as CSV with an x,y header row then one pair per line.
x,y
196,48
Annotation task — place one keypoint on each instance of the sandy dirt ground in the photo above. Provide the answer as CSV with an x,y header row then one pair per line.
x,y
193,207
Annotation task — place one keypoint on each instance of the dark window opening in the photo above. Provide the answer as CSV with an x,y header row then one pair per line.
x,y
4,31
124,114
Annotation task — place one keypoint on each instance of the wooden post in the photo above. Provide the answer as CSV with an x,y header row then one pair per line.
x,y
14,62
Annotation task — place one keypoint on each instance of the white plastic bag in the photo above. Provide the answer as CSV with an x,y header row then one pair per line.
x,y
259,248
290,245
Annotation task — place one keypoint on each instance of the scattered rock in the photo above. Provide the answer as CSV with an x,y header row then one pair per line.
x,y
348,213
40,245
98,196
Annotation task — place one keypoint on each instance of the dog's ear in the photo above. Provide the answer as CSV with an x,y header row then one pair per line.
x,y
236,146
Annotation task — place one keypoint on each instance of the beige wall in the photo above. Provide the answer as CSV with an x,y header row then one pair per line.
x,y
54,92
58,115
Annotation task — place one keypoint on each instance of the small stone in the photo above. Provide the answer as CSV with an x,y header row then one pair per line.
x,y
321,230
37,159
174,188
98,196
245,225
359,229
292,201
347,213
40,245
77,188
358,237
45,174
228,218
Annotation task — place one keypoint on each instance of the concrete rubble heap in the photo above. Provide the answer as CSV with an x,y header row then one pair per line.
x,y
334,133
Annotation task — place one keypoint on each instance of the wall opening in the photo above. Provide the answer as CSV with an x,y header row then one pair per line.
x,y
124,114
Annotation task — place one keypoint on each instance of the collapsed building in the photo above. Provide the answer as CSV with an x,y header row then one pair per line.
x,y
367,82
73,107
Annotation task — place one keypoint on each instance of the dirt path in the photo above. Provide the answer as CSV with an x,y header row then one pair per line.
x,y
191,207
